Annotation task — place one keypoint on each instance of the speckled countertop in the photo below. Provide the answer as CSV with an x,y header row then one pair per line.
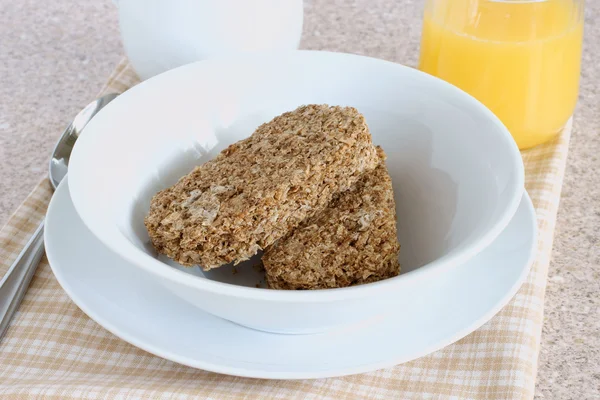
x,y
55,55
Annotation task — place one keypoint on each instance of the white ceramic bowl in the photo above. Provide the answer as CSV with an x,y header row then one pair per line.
x,y
457,174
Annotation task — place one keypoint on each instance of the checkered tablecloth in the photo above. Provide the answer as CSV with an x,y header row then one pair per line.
x,y
52,350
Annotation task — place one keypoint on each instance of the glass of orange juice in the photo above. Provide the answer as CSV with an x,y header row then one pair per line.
x,y
521,58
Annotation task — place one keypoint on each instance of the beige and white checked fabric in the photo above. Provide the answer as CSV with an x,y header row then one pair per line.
x,y
53,350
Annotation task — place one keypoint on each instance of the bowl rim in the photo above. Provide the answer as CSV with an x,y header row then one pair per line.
x,y
161,270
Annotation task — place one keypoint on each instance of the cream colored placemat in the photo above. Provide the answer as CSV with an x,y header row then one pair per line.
x,y
52,350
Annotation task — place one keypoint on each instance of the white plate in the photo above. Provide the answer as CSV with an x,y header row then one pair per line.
x,y
456,171
132,305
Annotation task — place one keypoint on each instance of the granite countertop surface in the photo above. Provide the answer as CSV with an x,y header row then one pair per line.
x,y
55,56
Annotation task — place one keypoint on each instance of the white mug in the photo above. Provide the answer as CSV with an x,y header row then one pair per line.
x,y
162,34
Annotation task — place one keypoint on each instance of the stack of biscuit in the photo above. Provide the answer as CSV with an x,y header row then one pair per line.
x,y
308,188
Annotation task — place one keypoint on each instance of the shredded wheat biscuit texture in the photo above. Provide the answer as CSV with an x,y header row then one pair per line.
x,y
352,241
260,188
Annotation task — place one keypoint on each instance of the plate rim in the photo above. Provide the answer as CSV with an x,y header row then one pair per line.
x,y
62,190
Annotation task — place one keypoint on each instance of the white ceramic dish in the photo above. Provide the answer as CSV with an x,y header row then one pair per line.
x,y
159,35
457,173
129,303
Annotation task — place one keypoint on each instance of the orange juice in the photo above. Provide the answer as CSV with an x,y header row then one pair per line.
x,y
519,58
